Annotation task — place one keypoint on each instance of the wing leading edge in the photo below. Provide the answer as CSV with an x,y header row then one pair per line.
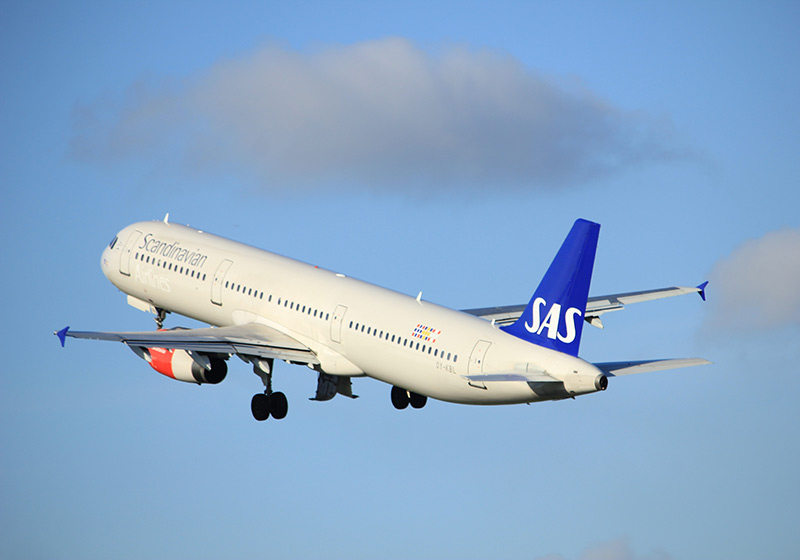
x,y
252,340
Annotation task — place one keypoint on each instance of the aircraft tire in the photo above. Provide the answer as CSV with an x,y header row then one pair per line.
x,y
418,401
278,406
260,407
399,398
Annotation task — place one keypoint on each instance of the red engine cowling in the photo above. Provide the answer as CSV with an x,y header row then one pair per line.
x,y
178,364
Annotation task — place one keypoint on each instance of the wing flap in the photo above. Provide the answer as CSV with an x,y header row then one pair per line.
x,y
252,340
615,369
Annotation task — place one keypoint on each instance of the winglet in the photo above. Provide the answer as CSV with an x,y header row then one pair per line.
x,y
702,288
62,335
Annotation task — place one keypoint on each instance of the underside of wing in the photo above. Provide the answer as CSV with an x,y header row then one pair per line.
x,y
615,369
252,340
595,306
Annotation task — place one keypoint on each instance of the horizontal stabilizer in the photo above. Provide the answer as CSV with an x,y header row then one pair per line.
x,y
615,369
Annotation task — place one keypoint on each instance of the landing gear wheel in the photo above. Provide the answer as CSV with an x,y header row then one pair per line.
x,y
418,401
400,398
260,407
278,406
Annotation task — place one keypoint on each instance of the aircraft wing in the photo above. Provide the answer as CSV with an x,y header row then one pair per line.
x,y
595,306
252,340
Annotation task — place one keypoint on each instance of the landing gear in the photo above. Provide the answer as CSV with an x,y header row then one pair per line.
x,y
260,407
263,406
402,398
161,314
266,404
418,401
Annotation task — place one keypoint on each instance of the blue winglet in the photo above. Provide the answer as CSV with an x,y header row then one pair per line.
x,y
702,288
62,335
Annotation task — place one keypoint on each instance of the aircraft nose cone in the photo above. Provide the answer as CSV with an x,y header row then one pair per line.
x,y
105,261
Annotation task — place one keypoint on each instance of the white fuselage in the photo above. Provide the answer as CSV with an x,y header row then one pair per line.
x,y
353,327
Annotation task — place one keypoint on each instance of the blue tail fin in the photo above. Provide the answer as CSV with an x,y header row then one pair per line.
x,y
554,316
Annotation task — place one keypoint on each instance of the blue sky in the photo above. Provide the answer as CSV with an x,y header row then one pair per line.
x,y
442,147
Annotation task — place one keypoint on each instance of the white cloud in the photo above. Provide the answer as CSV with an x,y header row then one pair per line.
x,y
378,114
618,549
758,285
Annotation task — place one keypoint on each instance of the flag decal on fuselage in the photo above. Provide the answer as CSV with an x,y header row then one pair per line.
x,y
426,333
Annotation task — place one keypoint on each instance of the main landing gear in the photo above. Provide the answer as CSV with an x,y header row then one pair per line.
x,y
267,404
263,405
402,398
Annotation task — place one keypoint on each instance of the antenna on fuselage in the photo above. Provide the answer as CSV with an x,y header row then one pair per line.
x,y
166,218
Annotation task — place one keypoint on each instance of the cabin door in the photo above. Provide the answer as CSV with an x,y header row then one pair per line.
x,y
476,359
219,277
127,251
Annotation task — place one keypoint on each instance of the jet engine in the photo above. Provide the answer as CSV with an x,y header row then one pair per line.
x,y
582,384
180,365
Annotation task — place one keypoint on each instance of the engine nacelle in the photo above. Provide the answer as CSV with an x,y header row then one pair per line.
x,y
582,384
178,364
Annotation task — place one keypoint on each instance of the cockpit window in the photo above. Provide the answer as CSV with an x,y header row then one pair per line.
x,y
113,242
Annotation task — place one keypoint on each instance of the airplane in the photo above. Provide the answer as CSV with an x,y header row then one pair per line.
x,y
263,307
